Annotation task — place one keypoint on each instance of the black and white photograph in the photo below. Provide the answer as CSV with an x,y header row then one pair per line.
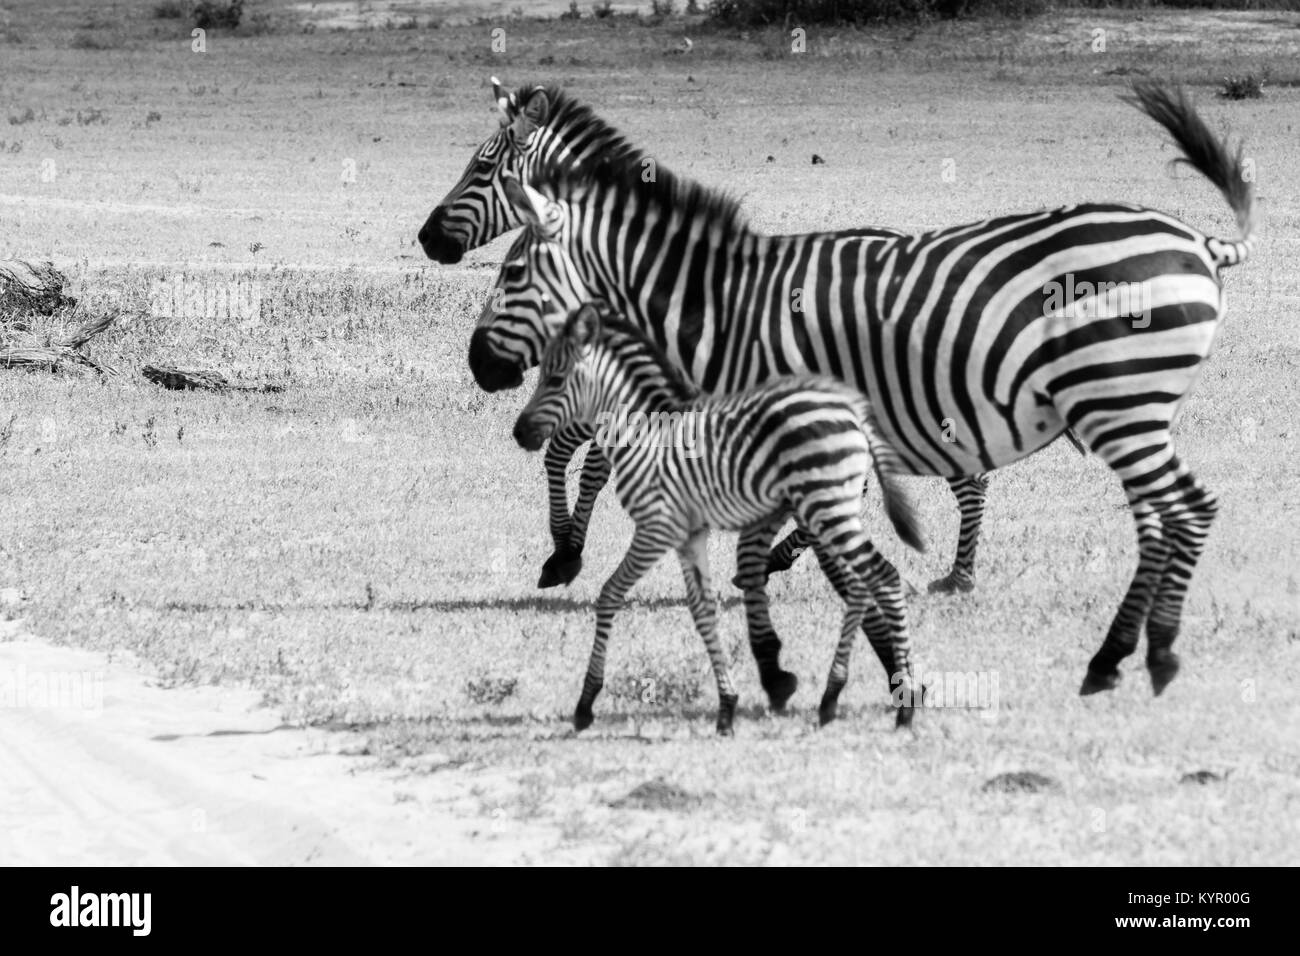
x,y
689,433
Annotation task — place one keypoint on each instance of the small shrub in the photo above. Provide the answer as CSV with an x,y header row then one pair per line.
x,y
1245,86
210,13
169,10
662,8
26,116
490,690
90,41
572,13
601,10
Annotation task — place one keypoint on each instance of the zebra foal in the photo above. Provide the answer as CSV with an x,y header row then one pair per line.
x,y
797,447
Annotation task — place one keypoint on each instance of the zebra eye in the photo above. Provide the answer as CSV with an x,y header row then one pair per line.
x,y
555,381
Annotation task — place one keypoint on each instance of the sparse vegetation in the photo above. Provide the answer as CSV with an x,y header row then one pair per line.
x,y
92,41
1244,86
210,14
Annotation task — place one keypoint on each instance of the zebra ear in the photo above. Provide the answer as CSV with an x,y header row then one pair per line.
x,y
531,116
504,101
583,325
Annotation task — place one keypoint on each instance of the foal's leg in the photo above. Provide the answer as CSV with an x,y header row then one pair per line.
x,y
970,493
595,473
787,552
649,543
563,565
853,591
751,558
704,609
872,591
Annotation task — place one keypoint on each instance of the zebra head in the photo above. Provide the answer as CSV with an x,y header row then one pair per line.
x,y
566,392
537,286
476,210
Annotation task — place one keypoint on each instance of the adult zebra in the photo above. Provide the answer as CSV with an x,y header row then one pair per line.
x,y
543,130
977,345
796,447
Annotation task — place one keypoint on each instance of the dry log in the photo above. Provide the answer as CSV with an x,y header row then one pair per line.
x,y
50,355
50,358
182,379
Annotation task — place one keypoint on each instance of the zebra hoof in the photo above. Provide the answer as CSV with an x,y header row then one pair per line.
x,y
829,706
1094,682
903,719
582,717
780,688
827,711
726,715
560,568
952,583
1163,668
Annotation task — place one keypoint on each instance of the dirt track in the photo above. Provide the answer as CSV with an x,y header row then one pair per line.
x,y
205,776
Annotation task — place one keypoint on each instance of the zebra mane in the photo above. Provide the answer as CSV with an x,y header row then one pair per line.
x,y
619,164
616,330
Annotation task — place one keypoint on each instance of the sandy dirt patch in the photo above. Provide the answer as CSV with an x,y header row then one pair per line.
x,y
103,767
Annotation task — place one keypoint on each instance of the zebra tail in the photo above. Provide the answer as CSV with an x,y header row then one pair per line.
x,y
1207,154
899,507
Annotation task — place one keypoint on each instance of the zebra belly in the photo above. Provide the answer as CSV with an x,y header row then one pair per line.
x,y
693,492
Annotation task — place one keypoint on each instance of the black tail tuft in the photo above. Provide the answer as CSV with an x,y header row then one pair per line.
x,y
1202,150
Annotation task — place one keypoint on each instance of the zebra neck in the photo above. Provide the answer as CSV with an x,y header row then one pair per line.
x,y
633,380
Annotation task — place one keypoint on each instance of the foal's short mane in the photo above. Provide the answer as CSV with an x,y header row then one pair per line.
x,y
618,164
616,330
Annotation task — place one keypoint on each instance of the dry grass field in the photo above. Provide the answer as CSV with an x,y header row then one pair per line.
x,y
360,548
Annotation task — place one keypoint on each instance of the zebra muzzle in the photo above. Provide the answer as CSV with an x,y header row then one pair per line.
x,y
439,244
491,372
528,435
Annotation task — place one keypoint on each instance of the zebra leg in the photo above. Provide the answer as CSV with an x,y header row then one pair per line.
x,y
872,590
595,473
970,492
751,558
853,591
787,552
1122,637
649,544
1186,525
564,564
704,609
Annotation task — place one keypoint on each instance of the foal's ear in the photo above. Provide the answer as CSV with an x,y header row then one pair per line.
x,y
534,113
583,325
527,201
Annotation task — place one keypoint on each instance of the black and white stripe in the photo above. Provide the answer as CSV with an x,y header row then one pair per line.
x,y
796,447
967,341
